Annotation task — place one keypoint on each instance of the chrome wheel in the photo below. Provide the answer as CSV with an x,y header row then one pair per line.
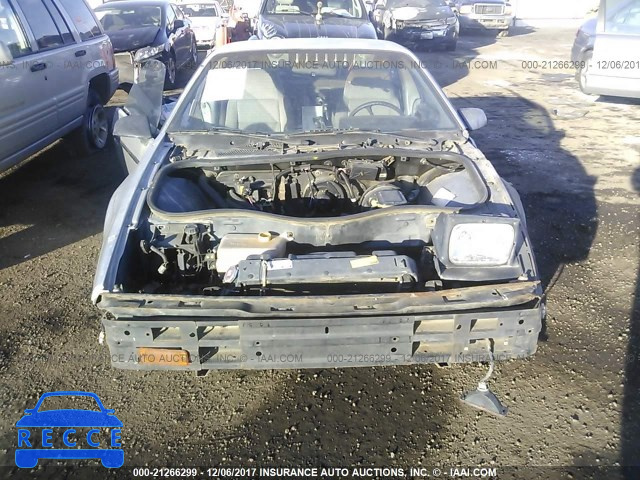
x,y
98,126
194,54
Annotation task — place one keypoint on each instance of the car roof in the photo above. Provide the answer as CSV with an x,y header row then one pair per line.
x,y
354,45
133,3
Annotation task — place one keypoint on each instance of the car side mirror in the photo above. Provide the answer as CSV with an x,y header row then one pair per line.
x,y
5,55
178,24
474,118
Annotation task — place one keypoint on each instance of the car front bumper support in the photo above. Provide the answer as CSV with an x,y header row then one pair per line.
x,y
449,326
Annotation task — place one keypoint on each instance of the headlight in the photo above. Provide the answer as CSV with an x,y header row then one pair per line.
x,y
481,244
148,52
508,9
466,9
477,248
452,20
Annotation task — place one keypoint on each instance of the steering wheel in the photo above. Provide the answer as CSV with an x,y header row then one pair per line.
x,y
373,103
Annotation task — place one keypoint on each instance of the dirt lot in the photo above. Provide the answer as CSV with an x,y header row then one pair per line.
x,y
576,162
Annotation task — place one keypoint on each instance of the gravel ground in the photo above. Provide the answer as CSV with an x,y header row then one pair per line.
x,y
575,161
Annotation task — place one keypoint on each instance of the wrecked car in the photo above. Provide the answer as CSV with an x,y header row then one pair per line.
x,y
308,18
141,30
327,208
417,23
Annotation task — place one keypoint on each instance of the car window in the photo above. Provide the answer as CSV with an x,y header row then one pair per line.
x,y
293,92
63,28
200,10
11,33
178,11
341,8
416,3
625,19
82,18
41,23
116,19
171,16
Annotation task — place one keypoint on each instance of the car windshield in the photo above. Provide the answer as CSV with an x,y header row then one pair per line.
x,y
341,8
199,10
416,3
115,19
303,91
68,402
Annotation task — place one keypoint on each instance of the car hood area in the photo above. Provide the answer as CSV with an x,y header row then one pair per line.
x,y
300,26
133,39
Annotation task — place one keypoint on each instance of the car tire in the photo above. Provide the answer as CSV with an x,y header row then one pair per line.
x,y
194,54
451,47
581,74
504,33
95,132
171,74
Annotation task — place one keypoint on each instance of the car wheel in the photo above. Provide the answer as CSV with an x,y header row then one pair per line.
x,y
171,74
93,135
451,47
194,54
504,33
583,72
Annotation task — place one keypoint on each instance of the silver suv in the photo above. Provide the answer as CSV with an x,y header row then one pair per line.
x,y
57,71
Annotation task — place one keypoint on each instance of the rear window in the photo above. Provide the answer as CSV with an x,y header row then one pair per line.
x,y
199,10
82,18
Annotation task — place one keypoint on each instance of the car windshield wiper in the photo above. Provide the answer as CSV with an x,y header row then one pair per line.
x,y
264,138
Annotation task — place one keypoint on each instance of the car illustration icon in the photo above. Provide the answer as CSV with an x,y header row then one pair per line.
x,y
39,429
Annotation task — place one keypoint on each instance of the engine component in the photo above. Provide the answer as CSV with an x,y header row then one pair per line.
x,y
384,267
383,196
363,170
235,247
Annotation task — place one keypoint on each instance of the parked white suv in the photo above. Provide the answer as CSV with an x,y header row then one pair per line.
x,y
57,71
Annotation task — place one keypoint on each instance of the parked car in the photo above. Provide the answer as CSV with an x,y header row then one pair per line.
x,y
144,29
585,38
206,17
327,209
605,51
417,22
57,71
485,15
301,18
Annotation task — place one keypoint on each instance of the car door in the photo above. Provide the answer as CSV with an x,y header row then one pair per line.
x,y
182,38
67,72
27,105
77,58
615,68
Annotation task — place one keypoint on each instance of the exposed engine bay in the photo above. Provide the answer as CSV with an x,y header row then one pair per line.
x,y
338,225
